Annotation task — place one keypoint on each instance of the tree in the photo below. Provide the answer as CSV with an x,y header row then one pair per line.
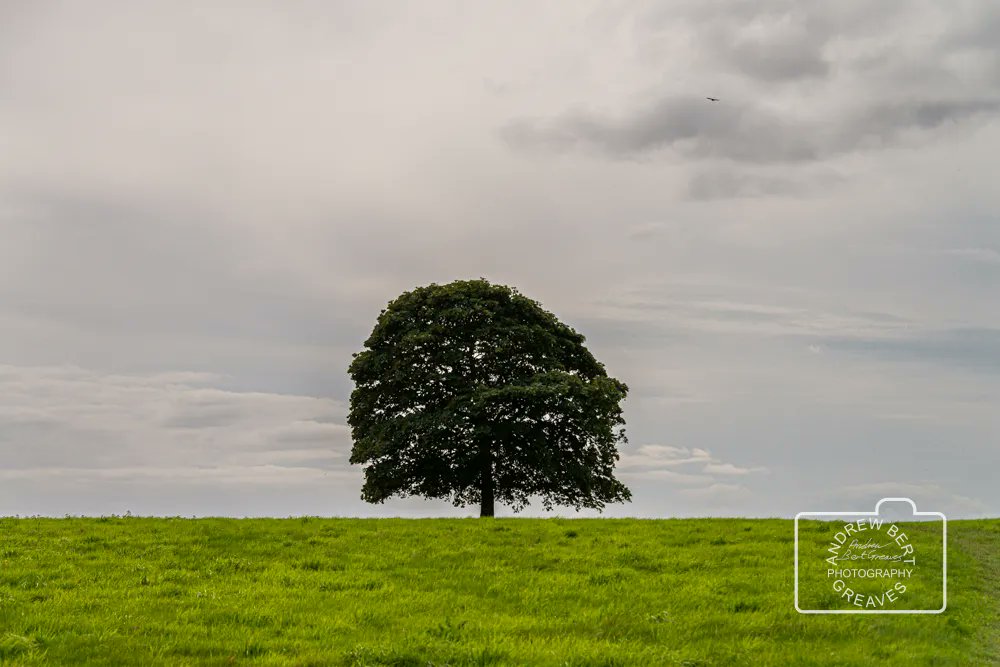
x,y
474,393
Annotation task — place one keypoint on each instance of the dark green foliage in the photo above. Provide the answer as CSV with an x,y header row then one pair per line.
x,y
473,393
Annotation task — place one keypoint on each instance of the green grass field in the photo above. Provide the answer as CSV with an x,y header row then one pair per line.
x,y
128,591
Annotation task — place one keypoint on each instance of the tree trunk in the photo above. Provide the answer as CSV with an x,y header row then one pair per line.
x,y
486,486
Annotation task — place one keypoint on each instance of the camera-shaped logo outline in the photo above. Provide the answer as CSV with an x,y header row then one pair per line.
x,y
944,561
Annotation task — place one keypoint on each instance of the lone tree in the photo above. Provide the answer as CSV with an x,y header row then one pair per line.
x,y
474,393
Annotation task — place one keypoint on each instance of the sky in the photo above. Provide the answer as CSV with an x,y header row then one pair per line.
x,y
205,206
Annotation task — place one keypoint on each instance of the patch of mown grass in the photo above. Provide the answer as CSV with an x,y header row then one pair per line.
x,y
311,591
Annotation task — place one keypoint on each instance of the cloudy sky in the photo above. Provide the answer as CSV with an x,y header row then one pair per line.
x,y
204,208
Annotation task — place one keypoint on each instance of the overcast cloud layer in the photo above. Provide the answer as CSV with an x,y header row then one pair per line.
x,y
203,210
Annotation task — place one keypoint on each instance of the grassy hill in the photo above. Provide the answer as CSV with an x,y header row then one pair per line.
x,y
121,591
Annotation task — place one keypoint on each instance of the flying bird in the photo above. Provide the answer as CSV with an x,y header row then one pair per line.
x,y
712,99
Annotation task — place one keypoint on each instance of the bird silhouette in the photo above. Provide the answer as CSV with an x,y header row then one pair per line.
x,y
712,99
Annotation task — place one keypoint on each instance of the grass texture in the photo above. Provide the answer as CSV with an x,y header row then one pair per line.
x,y
581,592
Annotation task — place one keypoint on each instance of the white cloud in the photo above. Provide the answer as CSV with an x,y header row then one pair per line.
x,y
730,469
717,494
661,456
680,466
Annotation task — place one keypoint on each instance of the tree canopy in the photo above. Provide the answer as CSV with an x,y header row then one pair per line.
x,y
474,393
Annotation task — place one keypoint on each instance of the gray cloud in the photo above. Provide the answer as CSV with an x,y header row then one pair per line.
x,y
155,269
787,56
722,183
885,336
773,42
713,312
68,418
201,224
985,255
932,495
784,72
695,125
784,42
973,348
740,131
